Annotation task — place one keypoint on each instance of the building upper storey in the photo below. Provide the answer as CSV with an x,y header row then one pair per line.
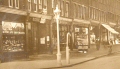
x,y
100,10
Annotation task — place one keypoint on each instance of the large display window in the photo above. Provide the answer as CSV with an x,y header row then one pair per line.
x,y
13,35
81,39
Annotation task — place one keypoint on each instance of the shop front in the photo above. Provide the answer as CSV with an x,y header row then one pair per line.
x,y
94,31
38,36
81,36
107,33
12,35
64,28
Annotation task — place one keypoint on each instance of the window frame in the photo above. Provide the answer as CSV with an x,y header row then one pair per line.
x,y
16,4
35,5
10,2
62,8
67,9
40,4
45,3
29,5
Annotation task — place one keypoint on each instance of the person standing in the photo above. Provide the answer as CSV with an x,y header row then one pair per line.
x,y
97,43
110,45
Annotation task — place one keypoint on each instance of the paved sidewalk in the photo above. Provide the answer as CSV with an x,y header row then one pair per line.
x,y
46,61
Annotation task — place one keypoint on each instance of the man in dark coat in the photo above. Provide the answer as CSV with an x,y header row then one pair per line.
x,y
97,43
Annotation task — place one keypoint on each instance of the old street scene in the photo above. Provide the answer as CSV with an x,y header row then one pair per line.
x,y
59,34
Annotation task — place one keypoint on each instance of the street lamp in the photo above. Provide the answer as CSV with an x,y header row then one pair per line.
x,y
57,15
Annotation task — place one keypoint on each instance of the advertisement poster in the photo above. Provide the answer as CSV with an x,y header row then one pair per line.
x,y
42,40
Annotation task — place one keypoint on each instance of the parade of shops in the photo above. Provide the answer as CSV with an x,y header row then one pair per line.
x,y
30,26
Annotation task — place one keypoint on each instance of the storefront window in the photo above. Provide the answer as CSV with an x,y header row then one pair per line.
x,y
92,38
81,38
13,36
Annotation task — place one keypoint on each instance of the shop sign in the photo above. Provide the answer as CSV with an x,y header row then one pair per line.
x,y
36,19
43,20
77,29
48,38
12,27
29,26
42,40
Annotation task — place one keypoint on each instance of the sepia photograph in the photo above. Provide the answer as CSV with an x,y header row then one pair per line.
x,y
59,34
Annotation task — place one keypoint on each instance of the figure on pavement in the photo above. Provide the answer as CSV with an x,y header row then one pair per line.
x,y
97,43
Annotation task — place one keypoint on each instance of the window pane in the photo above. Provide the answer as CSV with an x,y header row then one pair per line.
x,y
67,9
17,3
29,5
35,5
45,3
40,4
62,8
10,3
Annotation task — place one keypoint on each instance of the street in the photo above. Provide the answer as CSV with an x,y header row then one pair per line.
x,y
94,59
107,62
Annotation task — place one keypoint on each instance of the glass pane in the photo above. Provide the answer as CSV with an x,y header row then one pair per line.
x,y
17,3
40,4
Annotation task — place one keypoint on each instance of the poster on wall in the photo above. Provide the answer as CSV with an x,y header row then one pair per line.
x,y
48,38
42,40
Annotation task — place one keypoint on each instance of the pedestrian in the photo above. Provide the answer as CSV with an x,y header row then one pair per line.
x,y
110,45
97,43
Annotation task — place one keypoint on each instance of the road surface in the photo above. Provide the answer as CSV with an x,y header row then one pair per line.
x,y
107,62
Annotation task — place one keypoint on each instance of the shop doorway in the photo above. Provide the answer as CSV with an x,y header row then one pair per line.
x,y
38,40
34,38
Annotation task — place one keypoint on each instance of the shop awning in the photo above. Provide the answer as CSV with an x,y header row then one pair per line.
x,y
110,29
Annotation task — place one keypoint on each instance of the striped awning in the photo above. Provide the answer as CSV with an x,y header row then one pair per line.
x,y
110,29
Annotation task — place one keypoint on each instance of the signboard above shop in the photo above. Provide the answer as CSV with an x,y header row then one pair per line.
x,y
40,20
43,20
36,19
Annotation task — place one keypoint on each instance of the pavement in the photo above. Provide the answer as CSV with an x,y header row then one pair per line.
x,y
48,61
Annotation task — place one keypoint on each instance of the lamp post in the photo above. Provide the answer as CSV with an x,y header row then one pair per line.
x,y
57,15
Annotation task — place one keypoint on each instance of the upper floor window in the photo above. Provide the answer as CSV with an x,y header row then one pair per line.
x,y
17,4
10,3
62,8
67,10
82,11
40,4
29,5
45,3
59,4
35,6
45,7
75,10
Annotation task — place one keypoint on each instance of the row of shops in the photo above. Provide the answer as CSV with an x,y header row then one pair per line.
x,y
38,35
